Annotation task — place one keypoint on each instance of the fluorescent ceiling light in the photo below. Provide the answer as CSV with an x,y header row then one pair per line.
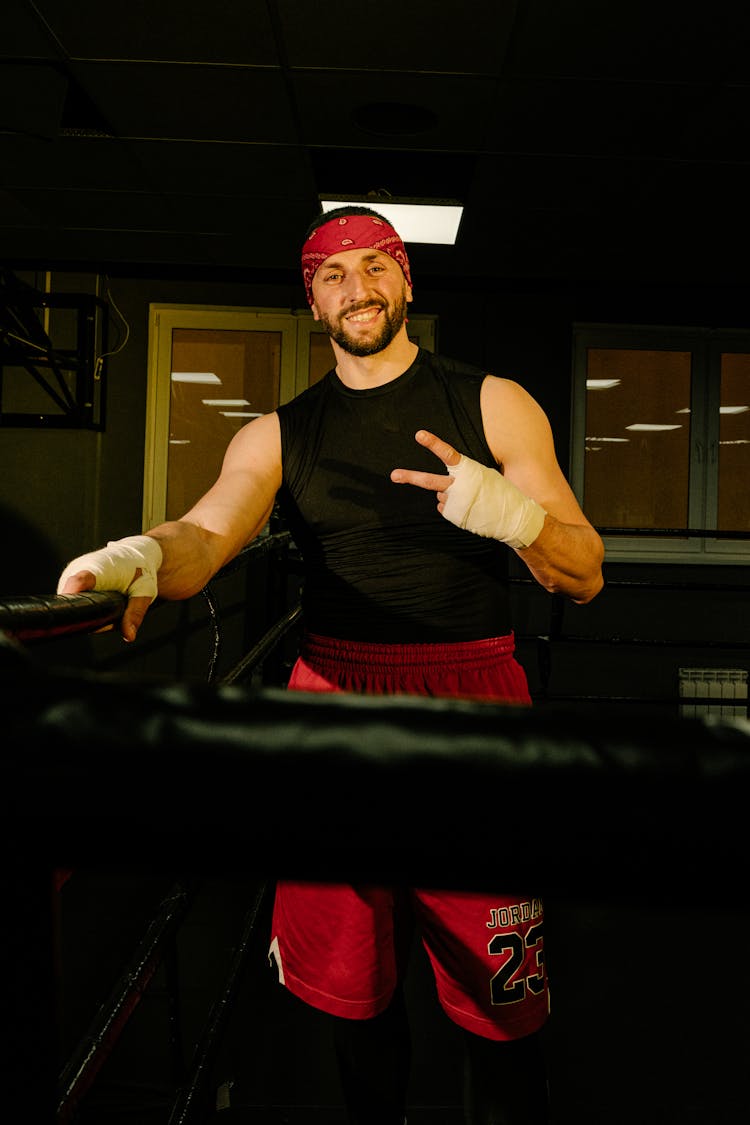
x,y
601,384
651,427
239,414
733,409
195,377
607,439
225,402
416,220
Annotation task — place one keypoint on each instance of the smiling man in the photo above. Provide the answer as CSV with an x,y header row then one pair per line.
x,y
361,290
406,478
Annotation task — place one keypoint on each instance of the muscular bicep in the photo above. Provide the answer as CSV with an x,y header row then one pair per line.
x,y
520,437
238,504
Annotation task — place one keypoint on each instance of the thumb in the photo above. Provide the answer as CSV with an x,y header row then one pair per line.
x,y
132,618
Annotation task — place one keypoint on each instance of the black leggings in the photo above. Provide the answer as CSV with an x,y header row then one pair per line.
x,y
504,1082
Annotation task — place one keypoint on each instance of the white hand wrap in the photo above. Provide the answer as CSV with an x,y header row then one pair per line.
x,y
114,566
483,501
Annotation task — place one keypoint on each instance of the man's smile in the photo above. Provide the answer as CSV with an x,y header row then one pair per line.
x,y
363,316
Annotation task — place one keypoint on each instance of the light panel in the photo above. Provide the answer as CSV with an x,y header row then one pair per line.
x,y
194,377
434,221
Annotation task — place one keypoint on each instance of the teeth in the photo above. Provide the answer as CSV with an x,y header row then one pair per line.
x,y
368,315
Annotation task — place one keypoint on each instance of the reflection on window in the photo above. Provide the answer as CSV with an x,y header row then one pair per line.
x,y
661,440
637,438
219,381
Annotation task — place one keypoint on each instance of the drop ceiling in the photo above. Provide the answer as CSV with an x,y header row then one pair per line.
x,y
587,139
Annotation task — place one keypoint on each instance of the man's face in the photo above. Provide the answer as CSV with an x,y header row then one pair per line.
x,y
360,297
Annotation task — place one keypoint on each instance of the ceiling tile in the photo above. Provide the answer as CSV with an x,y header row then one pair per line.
x,y
249,170
32,97
456,37
163,30
607,118
189,102
24,35
638,40
397,173
457,109
68,162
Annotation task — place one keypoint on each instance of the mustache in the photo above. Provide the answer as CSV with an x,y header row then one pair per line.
x,y
360,306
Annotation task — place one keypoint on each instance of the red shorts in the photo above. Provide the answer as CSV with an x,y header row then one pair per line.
x,y
343,948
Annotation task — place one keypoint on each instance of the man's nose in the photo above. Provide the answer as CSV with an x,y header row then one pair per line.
x,y
358,286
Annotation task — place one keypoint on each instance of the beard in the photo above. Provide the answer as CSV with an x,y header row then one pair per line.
x,y
389,325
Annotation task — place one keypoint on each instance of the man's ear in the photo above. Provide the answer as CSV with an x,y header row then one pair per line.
x,y
314,311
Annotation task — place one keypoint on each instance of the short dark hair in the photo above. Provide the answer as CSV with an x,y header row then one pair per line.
x,y
339,213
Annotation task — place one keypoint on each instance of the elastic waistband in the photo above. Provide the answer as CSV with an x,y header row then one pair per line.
x,y
319,651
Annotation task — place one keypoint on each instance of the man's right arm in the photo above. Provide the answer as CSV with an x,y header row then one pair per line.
x,y
194,547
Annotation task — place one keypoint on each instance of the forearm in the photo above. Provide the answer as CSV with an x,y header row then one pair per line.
x,y
191,556
213,532
563,552
174,560
566,559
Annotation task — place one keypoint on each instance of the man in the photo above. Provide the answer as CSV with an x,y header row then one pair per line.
x,y
405,591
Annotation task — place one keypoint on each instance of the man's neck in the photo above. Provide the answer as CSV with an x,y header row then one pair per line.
x,y
360,372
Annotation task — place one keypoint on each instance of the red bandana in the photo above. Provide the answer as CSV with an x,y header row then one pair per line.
x,y
352,232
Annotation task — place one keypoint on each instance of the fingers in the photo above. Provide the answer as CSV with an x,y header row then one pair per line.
x,y
447,454
135,611
78,583
433,482
430,481
132,618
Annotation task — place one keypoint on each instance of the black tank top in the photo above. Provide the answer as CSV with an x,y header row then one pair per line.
x,y
381,563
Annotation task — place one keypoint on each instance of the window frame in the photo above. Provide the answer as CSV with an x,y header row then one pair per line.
x,y
706,345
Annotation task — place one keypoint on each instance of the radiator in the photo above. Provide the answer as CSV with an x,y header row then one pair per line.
x,y
713,691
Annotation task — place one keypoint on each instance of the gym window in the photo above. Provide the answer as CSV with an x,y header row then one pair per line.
x,y
661,441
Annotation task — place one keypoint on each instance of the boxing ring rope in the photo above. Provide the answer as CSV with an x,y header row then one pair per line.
x,y
328,766
47,617
280,544
31,618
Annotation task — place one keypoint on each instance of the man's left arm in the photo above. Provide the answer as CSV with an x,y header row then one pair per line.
x,y
526,502
566,556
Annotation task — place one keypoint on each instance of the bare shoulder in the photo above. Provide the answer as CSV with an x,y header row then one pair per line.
x,y
512,418
257,444
499,393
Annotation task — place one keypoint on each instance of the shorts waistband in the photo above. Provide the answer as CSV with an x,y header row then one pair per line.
x,y
319,650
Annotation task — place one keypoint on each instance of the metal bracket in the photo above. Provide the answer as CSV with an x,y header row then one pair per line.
x,y
52,348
